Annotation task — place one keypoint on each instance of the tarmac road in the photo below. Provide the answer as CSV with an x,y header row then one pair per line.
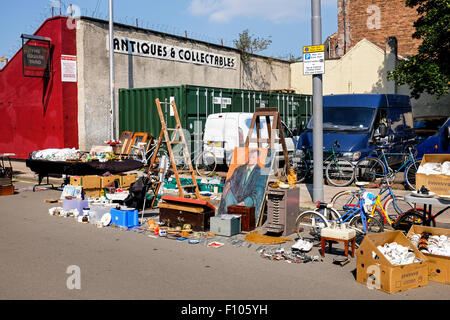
x,y
37,249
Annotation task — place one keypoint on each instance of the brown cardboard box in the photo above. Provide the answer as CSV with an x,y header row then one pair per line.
x,y
88,182
92,193
127,179
108,180
437,183
374,270
438,266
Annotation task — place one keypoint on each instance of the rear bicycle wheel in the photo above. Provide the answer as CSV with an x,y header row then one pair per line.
x,y
309,224
339,172
410,174
410,218
206,163
369,170
301,169
344,200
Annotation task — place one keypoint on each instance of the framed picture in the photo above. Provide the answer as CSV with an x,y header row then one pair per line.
x,y
125,138
139,138
247,179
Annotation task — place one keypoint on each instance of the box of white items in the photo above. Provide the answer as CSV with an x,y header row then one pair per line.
x,y
437,251
388,261
434,173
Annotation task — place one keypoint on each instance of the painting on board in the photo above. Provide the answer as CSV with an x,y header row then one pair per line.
x,y
247,178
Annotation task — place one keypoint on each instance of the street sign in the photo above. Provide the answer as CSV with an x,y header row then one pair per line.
x,y
313,60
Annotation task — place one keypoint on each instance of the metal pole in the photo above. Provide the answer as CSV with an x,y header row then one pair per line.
x,y
316,22
111,71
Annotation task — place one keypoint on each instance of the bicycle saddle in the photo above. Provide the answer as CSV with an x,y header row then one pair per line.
x,y
323,205
361,183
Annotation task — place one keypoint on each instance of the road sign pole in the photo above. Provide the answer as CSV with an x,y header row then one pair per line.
x,y
316,22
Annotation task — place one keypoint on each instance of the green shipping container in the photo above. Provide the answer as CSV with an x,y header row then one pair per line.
x,y
138,112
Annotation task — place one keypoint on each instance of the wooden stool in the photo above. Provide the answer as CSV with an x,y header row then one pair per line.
x,y
346,243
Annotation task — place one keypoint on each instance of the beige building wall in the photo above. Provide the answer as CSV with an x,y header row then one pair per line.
x,y
361,70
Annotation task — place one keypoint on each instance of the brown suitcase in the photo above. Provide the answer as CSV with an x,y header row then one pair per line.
x,y
247,216
199,221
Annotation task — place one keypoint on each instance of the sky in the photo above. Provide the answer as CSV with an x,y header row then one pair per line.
x,y
287,23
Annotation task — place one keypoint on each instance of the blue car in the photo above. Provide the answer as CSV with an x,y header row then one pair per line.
x,y
360,123
438,143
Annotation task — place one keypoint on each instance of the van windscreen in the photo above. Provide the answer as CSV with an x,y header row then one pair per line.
x,y
346,118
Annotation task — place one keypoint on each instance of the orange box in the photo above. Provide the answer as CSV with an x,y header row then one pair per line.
x,y
438,266
109,181
374,269
88,181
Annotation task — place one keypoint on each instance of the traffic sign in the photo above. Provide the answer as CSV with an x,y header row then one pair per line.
x,y
313,60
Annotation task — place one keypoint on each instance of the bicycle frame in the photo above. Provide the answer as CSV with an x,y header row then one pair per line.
x,y
309,159
347,216
389,170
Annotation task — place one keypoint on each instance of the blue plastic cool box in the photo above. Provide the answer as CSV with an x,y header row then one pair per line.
x,y
126,218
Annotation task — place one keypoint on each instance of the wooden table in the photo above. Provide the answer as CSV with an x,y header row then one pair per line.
x,y
346,243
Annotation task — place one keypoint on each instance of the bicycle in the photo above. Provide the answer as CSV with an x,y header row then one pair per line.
x,y
205,162
373,169
389,212
339,172
312,221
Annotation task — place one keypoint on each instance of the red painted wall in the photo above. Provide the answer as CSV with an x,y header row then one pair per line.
x,y
35,113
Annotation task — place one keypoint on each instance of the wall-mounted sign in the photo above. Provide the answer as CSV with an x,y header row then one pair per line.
x,y
68,68
168,52
35,56
313,60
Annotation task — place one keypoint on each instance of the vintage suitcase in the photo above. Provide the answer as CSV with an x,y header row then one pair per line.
x,y
199,221
176,212
247,216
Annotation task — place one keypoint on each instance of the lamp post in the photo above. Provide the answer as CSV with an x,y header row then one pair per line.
x,y
316,30
111,73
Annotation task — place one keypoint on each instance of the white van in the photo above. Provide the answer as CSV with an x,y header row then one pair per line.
x,y
225,131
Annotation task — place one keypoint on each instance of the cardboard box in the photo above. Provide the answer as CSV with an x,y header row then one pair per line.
x,y
127,179
437,183
438,266
87,182
109,181
375,271
92,193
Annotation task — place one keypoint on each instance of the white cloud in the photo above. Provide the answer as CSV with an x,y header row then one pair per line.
x,y
273,10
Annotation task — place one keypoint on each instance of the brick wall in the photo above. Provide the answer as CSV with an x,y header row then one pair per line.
x,y
374,20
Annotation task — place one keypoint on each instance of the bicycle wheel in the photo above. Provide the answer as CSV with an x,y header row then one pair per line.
x,y
369,170
301,169
409,218
395,206
373,224
339,172
309,224
206,163
344,200
410,174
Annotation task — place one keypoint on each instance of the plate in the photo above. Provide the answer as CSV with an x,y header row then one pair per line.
x,y
421,195
106,219
443,197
